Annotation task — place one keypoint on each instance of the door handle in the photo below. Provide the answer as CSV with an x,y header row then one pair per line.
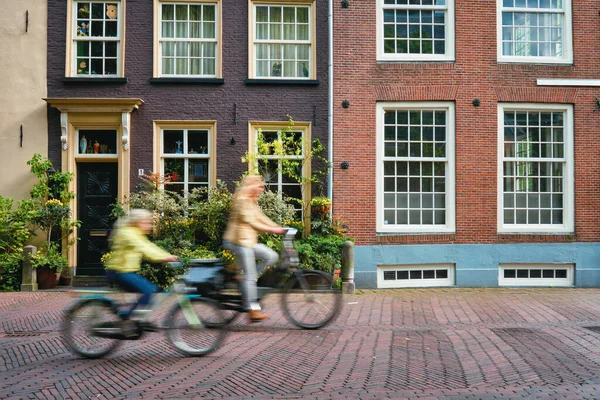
x,y
98,233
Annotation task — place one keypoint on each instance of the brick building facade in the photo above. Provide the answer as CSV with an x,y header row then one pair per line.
x,y
162,85
470,132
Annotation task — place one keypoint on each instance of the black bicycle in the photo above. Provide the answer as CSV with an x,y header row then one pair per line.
x,y
310,299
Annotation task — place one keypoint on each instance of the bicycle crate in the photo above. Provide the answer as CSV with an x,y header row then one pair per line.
x,y
206,275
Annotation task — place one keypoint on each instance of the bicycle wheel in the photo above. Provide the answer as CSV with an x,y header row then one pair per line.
x,y
310,301
229,316
196,326
80,322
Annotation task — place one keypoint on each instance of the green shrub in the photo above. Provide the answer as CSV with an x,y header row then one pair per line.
x,y
161,275
209,208
13,236
321,252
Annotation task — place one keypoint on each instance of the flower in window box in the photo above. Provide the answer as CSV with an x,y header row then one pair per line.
x,y
320,206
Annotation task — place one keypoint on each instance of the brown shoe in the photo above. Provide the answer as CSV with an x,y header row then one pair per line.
x,y
256,316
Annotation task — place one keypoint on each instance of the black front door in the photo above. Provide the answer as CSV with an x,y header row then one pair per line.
x,y
97,185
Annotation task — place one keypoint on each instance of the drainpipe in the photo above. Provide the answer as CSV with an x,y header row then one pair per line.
x,y
330,106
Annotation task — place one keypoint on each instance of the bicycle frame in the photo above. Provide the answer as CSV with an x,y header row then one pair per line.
x,y
288,262
178,290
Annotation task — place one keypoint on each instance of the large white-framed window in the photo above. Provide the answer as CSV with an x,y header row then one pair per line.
x,y
415,30
535,169
270,160
185,155
535,31
282,40
536,275
399,276
415,167
188,39
96,46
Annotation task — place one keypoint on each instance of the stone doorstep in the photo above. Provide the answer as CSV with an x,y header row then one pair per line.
x,y
89,281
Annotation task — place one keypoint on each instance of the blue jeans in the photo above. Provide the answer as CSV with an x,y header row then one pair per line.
x,y
245,258
133,282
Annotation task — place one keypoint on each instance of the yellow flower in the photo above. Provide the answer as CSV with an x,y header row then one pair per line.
x,y
105,257
227,256
54,203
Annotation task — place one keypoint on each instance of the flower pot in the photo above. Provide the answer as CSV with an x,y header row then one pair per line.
x,y
320,211
65,280
47,278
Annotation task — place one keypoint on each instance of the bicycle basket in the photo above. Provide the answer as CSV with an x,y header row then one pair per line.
x,y
207,276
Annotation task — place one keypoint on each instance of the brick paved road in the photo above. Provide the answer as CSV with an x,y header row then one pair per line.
x,y
413,343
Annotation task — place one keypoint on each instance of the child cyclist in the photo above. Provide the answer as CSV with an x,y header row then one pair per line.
x,y
128,245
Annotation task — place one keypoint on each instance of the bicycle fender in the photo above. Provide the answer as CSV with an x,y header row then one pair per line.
x,y
87,298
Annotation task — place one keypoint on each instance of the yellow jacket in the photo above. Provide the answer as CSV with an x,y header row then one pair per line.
x,y
245,221
128,248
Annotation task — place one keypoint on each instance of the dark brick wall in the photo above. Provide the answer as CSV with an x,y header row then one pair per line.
x,y
192,102
474,74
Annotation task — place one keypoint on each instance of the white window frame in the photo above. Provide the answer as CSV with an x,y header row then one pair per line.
x,y
567,45
450,206
408,283
568,171
449,34
158,40
186,126
569,281
253,41
72,62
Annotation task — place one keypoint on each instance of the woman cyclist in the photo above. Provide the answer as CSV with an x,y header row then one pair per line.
x,y
241,238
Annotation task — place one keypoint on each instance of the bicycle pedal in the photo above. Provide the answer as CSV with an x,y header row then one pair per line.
x,y
148,326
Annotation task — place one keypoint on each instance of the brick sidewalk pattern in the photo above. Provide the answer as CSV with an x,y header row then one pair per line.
x,y
411,343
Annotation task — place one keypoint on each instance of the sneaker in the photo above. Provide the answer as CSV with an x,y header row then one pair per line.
x,y
256,316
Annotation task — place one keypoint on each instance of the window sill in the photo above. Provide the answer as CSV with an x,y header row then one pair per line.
x,y
298,82
200,81
95,80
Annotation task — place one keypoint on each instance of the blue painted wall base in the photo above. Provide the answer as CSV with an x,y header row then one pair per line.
x,y
477,264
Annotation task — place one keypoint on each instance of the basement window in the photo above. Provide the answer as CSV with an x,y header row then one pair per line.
x,y
536,275
401,276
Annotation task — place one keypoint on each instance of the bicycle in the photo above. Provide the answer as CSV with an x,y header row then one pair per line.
x,y
94,326
310,299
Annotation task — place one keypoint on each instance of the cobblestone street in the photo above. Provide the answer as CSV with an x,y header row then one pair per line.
x,y
412,343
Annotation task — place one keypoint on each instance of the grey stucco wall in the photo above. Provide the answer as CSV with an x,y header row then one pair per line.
x,y
477,264
269,102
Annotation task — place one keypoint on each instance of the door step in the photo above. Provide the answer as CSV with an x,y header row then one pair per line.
x,y
89,281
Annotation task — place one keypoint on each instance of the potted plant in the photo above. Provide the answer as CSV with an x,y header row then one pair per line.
x,y
320,206
48,264
49,213
277,69
66,276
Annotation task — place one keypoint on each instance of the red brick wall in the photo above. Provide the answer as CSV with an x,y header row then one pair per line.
x,y
475,73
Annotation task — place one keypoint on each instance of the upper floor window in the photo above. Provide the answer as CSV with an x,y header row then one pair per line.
x,y
415,167
185,156
283,41
188,39
96,39
415,30
535,31
536,168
